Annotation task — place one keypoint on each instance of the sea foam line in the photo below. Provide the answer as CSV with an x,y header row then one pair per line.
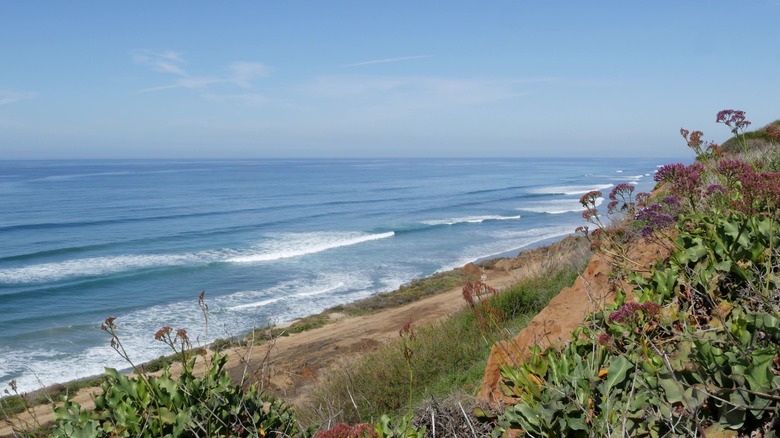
x,y
470,220
557,206
280,246
304,244
569,190
93,266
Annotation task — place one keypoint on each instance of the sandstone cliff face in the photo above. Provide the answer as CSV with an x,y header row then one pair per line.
x,y
555,324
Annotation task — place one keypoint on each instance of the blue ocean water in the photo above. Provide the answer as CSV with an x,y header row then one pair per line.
x,y
269,241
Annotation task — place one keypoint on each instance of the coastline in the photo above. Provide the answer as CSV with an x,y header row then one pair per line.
x,y
291,363
154,282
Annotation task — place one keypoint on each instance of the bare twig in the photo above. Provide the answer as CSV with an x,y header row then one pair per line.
x,y
473,432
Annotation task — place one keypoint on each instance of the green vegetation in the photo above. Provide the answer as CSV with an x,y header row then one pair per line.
x,y
757,139
188,405
408,293
445,357
697,352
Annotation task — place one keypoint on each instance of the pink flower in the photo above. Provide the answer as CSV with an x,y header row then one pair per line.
x,y
734,119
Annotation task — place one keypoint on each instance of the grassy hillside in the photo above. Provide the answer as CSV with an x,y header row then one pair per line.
x,y
757,139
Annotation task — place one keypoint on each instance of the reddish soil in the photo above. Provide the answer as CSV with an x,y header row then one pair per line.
x,y
555,324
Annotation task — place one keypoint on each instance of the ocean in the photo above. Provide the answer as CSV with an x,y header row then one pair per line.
x,y
268,240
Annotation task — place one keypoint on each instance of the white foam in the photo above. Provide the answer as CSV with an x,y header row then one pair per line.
x,y
470,220
95,266
280,247
289,245
557,206
82,175
569,190
507,241
256,304
321,290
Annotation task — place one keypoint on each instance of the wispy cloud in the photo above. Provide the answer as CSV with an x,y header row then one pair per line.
x,y
8,97
186,82
249,99
164,62
386,60
241,74
430,89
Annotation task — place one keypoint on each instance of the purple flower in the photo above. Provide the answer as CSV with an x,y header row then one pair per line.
x,y
630,312
590,214
589,199
694,142
685,181
734,170
621,198
713,189
734,119
658,216
672,202
642,198
772,132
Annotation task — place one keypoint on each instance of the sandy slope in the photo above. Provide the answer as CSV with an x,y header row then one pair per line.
x,y
555,324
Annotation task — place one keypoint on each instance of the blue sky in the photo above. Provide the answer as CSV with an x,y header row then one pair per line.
x,y
240,79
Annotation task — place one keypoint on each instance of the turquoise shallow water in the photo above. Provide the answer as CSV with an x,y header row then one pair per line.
x,y
269,241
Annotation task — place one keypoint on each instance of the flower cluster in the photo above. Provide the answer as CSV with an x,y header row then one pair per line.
x,y
714,189
734,170
590,200
654,219
343,430
773,133
685,181
752,191
621,199
642,198
733,119
694,141
658,216
179,341
477,292
630,311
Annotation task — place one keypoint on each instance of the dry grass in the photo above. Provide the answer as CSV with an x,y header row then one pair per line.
x,y
448,356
